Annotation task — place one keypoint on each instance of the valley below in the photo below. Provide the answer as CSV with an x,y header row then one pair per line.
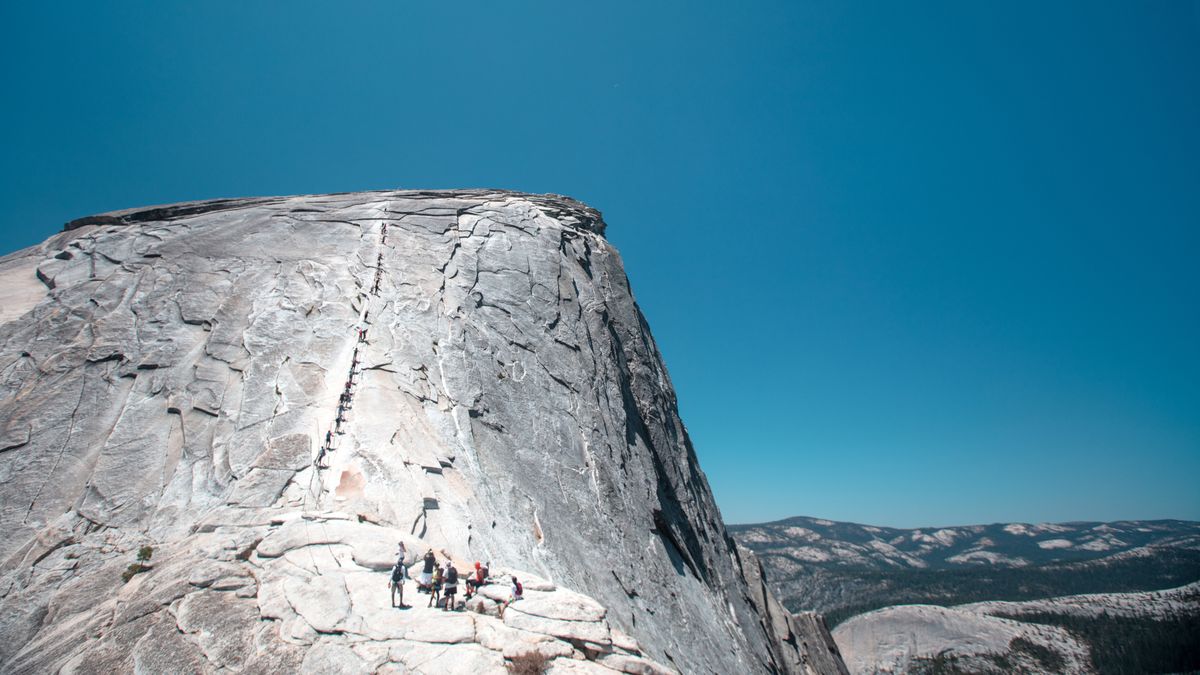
x,y
1119,597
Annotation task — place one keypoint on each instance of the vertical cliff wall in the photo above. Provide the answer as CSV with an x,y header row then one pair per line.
x,y
169,376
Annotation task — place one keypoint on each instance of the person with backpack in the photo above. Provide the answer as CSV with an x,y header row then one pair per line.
x,y
515,593
476,580
425,581
450,585
399,574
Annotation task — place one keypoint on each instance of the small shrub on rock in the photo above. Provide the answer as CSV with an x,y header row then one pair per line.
x,y
531,662
135,568
143,555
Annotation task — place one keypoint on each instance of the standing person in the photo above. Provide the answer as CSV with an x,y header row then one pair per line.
x,y
435,587
451,585
399,574
425,581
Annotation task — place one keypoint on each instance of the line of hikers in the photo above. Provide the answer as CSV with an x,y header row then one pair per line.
x,y
378,272
441,582
344,400
347,394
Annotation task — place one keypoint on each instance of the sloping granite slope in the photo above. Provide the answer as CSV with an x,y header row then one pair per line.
x,y
169,377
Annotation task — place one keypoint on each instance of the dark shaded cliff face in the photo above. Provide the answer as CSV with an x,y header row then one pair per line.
x,y
168,377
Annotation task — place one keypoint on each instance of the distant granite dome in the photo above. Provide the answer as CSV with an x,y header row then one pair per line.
x,y
169,377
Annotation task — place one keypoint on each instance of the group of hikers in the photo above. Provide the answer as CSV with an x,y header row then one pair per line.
x,y
441,582
344,400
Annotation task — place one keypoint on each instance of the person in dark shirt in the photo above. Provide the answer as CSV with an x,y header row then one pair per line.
x,y
399,574
425,581
450,585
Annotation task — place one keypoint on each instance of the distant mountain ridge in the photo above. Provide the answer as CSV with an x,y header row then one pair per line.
x,y
815,540
842,569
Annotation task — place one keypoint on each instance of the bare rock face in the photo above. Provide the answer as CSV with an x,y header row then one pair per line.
x,y
915,638
489,390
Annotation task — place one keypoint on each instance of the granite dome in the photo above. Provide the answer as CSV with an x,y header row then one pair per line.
x,y
169,377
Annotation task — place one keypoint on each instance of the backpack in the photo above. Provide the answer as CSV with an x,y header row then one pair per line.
x,y
398,573
452,576
520,589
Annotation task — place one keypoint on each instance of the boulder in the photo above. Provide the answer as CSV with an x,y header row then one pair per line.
x,y
165,650
222,624
562,605
434,658
328,658
450,629
322,601
590,631
633,665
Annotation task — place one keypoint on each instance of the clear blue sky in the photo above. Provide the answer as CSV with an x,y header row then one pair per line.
x,y
909,263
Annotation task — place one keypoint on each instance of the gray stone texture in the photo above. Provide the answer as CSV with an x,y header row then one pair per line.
x,y
168,376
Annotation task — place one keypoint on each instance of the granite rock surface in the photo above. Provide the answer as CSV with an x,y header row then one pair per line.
x,y
271,393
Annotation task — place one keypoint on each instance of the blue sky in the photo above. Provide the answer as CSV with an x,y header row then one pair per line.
x,y
909,263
